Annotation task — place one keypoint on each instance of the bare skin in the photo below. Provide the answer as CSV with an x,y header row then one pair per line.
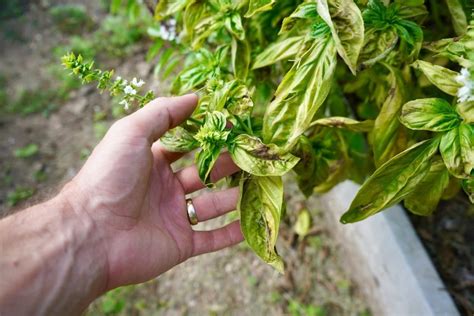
x,y
121,220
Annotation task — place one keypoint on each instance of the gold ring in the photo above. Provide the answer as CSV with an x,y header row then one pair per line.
x,y
192,216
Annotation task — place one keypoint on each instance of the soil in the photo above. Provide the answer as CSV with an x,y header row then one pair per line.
x,y
233,281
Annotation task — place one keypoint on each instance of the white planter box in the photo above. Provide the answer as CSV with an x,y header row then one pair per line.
x,y
386,259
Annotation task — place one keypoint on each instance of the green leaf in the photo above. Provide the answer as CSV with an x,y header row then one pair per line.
x,y
205,160
27,151
257,158
179,139
233,24
301,92
260,207
392,182
345,123
279,50
387,130
240,58
468,187
432,114
306,10
458,16
169,7
347,27
427,194
256,6
457,150
441,77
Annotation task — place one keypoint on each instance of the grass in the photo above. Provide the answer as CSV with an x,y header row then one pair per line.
x,y
20,194
71,18
28,151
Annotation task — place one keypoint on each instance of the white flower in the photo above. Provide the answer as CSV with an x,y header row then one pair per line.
x,y
466,92
118,78
137,83
129,90
125,104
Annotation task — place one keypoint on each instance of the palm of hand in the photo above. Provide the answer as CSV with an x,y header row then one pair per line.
x,y
139,204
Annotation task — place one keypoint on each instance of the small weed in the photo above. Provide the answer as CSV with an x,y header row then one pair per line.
x,y
40,175
33,101
20,194
85,153
296,308
26,152
71,18
86,47
100,129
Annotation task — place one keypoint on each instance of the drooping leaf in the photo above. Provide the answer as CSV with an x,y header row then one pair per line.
x,y
259,159
441,77
377,45
168,7
306,10
256,6
392,182
458,15
387,130
279,50
240,58
468,187
205,160
302,91
345,123
306,165
347,28
232,95
431,114
427,194
179,139
260,207
233,24
457,150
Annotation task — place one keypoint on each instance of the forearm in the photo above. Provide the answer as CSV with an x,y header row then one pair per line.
x,y
51,261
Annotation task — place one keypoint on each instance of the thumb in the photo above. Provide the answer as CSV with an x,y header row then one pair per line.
x,y
162,114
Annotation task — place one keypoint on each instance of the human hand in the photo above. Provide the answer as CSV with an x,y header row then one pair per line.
x,y
136,202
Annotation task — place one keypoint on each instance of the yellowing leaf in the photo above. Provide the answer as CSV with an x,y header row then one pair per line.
x,y
168,7
427,194
256,6
441,77
260,207
345,123
347,27
301,92
457,150
178,139
306,10
392,182
240,58
280,50
458,16
433,114
257,158
303,223
377,45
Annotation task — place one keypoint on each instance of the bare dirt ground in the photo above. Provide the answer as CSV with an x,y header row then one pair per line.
x,y
231,282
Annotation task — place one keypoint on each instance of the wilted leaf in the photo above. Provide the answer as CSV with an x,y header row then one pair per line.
x,y
441,77
387,128
427,194
257,158
345,123
458,15
179,139
280,50
260,207
432,114
205,160
457,150
392,182
347,27
240,58
306,10
302,91
377,45
168,7
256,6
468,187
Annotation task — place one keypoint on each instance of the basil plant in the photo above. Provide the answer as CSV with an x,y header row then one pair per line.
x,y
377,91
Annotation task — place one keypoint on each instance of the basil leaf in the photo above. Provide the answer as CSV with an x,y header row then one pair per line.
x,y
431,114
279,50
388,133
345,123
347,27
306,165
240,58
257,158
392,182
458,16
302,91
179,139
195,12
260,207
205,160
377,45
232,95
466,110
306,10
427,194
441,77
468,187
233,24
169,7
256,6
457,150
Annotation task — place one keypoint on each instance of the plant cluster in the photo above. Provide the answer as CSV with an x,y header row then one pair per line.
x,y
380,92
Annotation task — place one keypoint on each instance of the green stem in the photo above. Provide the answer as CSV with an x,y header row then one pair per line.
x,y
246,128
